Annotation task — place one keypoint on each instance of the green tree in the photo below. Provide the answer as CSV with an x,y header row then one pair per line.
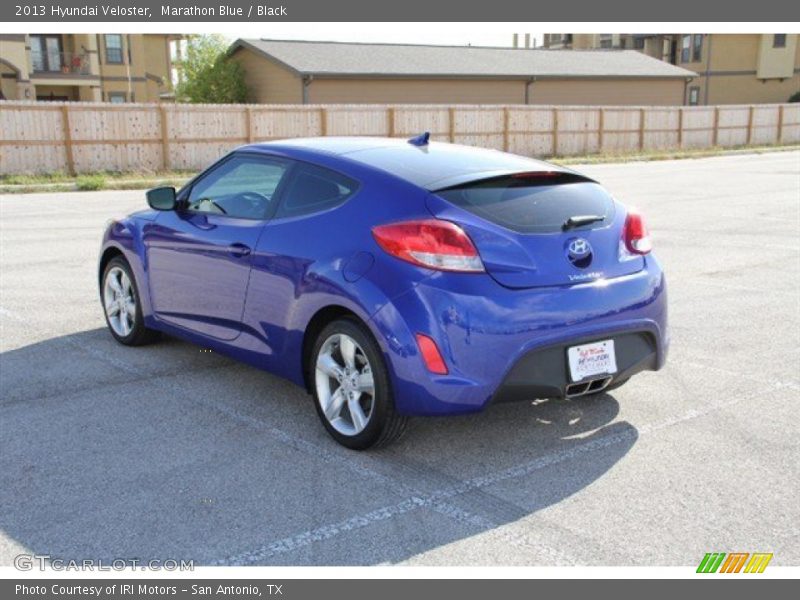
x,y
795,97
208,75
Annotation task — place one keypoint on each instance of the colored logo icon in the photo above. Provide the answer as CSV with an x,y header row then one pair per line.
x,y
735,562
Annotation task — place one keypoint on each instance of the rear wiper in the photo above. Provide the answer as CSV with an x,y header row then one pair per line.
x,y
579,220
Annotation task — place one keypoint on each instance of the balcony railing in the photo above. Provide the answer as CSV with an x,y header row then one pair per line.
x,y
75,63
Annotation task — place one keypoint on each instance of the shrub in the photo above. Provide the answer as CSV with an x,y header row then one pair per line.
x,y
90,183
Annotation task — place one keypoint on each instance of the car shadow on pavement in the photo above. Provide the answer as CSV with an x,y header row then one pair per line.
x,y
171,452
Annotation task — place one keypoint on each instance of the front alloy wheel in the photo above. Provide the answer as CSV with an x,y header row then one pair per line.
x,y
351,387
119,301
121,306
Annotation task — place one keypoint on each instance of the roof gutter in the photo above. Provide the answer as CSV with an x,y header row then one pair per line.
x,y
708,69
528,85
527,78
305,82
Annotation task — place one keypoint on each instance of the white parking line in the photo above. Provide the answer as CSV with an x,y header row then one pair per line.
x,y
357,463
703,280
436,500
325,532
792,385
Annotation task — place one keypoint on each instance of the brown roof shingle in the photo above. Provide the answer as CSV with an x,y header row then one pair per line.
x,y
405,60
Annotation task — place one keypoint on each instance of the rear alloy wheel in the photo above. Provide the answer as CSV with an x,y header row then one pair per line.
x,y
120,298
351,387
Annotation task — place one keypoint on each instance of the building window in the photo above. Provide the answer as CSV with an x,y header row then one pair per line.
x,y
638,43
779,40
46,53
694,96
113,48
697,47
686,47
117,97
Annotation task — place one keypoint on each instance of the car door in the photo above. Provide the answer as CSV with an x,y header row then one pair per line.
x,y
199,256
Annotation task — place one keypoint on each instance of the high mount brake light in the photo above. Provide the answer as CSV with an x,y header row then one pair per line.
x,y
430,243
537,174
636,235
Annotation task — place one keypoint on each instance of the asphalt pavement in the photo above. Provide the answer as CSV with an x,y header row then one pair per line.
x,y
166,452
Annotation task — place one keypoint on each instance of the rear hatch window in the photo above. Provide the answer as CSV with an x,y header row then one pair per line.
x,y
539,229
533,203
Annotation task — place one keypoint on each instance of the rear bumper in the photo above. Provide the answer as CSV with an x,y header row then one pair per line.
x,y
504,345
544,372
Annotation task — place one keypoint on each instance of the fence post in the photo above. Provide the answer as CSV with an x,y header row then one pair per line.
x,y
165,159
323,122
505,128
750,125
680,127
716,126
248,124
780,124
390,121
641,129
601,125
451,127
68,140
555,131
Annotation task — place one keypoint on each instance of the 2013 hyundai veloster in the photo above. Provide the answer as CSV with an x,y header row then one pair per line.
x,y
394,278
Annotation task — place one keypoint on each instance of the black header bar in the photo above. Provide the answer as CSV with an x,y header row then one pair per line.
x,y
406,11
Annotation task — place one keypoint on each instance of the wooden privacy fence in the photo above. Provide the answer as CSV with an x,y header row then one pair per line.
x,y
39,137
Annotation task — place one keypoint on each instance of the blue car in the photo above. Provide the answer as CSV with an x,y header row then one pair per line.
x,y
394,278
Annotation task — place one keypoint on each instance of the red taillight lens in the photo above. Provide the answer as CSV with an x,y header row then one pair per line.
x,y
430,243
636,236
430,354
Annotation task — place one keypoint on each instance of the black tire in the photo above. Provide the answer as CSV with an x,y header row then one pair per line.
x,y
385,425
139,334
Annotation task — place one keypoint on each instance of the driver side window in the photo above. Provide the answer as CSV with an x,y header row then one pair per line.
x,y
241,187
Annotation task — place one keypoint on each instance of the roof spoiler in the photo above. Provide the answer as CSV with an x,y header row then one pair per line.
x,y
511,178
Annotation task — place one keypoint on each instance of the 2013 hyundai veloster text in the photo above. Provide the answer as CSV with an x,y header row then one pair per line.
x,y
394,278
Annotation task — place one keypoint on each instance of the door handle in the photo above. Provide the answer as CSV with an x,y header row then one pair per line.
x,y
238,250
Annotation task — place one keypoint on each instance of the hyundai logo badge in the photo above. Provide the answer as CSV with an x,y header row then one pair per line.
x,y
579,252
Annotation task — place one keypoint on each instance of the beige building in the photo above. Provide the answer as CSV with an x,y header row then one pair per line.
x,y
731,68
294,72
86,67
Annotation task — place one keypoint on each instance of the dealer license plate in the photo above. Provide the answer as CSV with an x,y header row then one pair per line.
x,y
589,360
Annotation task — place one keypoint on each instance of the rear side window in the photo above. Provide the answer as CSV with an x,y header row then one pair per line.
x,y
533,204
313,189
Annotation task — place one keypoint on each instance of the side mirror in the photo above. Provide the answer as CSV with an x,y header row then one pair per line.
x,y
162,198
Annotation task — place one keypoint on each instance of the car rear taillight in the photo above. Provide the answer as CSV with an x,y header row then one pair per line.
x,y
635,234
430,243
431,355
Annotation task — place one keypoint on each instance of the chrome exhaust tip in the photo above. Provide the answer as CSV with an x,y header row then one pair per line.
x,y
573,390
